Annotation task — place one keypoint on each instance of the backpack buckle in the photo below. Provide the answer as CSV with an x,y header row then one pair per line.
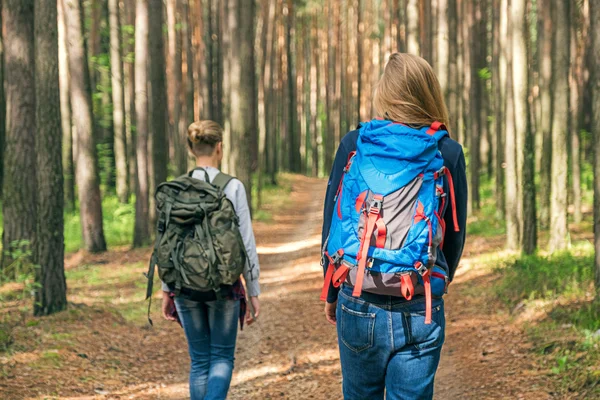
x,y
376,205
336,258
421,268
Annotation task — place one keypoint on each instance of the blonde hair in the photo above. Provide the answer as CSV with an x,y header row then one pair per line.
x,y
203,136
409,92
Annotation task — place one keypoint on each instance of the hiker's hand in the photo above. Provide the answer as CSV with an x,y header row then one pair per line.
x,y
167,306
330,312
253,306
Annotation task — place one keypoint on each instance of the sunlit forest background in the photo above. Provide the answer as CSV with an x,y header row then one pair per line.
x,y
97,96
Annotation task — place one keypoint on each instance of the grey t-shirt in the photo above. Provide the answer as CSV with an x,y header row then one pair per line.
x,y
236,193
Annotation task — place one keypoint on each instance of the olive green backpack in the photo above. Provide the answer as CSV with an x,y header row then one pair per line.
x,y
198,241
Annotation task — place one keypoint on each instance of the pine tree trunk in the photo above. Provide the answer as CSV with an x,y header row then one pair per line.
x,y
141,233
547,107
560,129
51,295
595,79
294,142
523,133
511,178
476,131
2,106
158,93
189,67
360,54
412,27
65,110
81,103
499,86
452,94
20,188
118,101
443,46
574,115
314,91
129,73
243,103
174,87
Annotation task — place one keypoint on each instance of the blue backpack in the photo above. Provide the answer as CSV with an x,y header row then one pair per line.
x,y
388,224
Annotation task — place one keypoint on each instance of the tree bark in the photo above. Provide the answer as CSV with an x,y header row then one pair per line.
x,y
141,233
242,86
594,7
81,102
512,190
523,133
574,115
412,27
499,87
560,128
118,100
174,87
129,73
65,110
51,295
546,89
2,106
294,142
158,115
443,46
20,188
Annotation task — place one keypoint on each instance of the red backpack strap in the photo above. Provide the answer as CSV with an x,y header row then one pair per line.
x,y
372,217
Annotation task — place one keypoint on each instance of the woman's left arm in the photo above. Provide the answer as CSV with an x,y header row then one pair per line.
x,y
252,267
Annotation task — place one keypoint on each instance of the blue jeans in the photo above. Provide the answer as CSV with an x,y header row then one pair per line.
x,y
211,331
385,346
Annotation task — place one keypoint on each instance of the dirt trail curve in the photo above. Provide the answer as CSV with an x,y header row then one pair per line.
x,y
292,352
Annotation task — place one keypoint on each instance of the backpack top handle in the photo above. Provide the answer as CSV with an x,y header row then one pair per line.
x,y
206,177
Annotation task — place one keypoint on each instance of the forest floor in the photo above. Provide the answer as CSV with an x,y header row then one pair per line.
x,y
102,347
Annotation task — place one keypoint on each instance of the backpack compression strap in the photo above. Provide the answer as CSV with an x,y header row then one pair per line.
x,y
373,215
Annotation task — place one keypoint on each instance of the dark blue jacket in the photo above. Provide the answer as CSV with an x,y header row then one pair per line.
x,y
454,160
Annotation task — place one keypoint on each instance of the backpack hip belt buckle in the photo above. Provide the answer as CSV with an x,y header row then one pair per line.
x,y
421,268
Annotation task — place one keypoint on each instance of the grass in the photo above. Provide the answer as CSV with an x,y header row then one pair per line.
x,y
567,338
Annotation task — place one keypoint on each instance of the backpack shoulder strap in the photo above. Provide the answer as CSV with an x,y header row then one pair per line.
x,y
438,131
222,180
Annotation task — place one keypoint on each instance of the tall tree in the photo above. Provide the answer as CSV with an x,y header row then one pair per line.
x,y
512,179
174,86
242,82
81,102
546,88
2,105
523,134
294,142
129,73
443,45
51,294
65,111
20,188
560,127
141,231
118,101
158,93
412,28
595,65
499,87
574,73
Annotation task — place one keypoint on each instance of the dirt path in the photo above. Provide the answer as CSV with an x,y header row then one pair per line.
x,y
291,353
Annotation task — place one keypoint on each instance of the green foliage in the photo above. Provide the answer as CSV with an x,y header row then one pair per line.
x,y
118,224
273,196
484,74
487,221
565,274
21,269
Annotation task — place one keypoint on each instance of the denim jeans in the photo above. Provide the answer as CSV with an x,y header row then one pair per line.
x,y
385,346
211,331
